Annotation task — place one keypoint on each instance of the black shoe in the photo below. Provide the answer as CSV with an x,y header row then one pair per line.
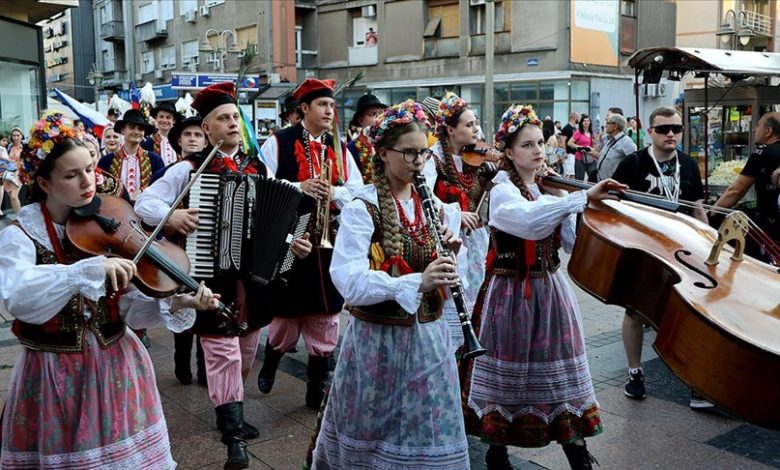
x,y
317,371
578,456
248,432
497,458
230,420
635,385
267,375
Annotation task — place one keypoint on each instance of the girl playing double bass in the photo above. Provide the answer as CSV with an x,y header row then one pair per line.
x,y
394,402
533,386
82,393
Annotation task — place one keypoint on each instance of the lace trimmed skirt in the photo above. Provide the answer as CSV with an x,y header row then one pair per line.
x,y
96,409
533,386
394,403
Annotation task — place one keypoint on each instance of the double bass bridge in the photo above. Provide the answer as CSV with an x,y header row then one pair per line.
x,y
734,228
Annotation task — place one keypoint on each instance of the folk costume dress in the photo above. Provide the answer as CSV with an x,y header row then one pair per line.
x,y
533,386
464,189
394,401
83,391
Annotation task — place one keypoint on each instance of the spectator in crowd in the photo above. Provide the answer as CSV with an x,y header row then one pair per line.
x,y
617,147
371,37
583,144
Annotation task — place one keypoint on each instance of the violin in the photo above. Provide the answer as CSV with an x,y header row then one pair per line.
x,y
715,312
477,154
108,226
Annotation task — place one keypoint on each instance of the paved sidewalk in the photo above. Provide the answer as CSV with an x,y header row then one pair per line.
x,y
660,432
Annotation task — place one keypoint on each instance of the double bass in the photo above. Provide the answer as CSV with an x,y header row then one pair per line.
x,y
716,312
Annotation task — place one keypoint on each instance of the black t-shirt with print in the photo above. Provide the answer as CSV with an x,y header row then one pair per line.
x,y
568,131
762,162
640,174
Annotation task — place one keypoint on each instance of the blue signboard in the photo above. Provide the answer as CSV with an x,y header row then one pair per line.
x,y
161,93
532,62
194,81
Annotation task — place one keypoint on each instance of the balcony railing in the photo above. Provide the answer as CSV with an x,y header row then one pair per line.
x,y
150,31
112,31
362,55
756,22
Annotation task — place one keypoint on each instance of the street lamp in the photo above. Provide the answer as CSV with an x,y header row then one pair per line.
x,y
219,55
735,28
95,78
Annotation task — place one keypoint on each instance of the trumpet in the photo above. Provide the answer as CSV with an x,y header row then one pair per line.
x,y
322,216
471,345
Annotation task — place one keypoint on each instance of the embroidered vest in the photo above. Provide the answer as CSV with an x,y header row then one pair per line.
x,y
144,162
292,159
464,187
514,256
418,257
64,333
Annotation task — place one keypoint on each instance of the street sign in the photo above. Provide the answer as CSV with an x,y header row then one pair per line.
x,y
532,62
197,81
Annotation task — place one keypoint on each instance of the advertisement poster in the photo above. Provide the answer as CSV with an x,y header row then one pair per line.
x,y
595,31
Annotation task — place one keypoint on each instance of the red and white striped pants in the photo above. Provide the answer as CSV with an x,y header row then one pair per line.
x,y
320,333
228,362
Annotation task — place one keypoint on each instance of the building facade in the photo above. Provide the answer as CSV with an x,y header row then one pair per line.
x,y
69,54
560,56
22,65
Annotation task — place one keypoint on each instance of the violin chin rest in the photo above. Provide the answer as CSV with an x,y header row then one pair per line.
x,y
89,209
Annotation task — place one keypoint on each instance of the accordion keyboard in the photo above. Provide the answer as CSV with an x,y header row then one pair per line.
x,y
201,243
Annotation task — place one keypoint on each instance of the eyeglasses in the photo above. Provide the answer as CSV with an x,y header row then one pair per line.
x,y
665,128
411,155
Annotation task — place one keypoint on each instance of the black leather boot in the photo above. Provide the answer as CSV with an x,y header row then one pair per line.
x,y
202,378
182,346
267,375
578,456
230,418
317,371
497,458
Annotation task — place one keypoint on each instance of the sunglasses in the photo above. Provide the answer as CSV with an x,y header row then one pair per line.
x,y
666,128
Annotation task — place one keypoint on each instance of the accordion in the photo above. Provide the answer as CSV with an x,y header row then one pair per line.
x,y
245,226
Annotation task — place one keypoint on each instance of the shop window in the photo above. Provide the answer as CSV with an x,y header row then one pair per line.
x,y
444,19
523,93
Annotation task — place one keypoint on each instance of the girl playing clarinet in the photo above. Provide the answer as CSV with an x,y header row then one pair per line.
x,y
533,386
394,402
82,393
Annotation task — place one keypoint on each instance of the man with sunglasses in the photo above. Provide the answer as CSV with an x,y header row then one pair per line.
x,y
662,170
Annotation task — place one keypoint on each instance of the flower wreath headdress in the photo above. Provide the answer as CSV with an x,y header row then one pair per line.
x,y
51,129
397,115
449,106
513,119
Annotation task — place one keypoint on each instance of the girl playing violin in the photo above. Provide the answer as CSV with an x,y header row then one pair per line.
x,y
533,386
394,402
458,182
83,392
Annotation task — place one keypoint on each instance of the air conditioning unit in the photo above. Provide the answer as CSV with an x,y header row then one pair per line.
x,y
190,16
476,2
368,11
158,74
204,10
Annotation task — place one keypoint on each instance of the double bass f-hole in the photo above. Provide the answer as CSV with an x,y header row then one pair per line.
x,y
678,255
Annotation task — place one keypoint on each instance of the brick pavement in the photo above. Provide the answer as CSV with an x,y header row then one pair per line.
x,y
659,432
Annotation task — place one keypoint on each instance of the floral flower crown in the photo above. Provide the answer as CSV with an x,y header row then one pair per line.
x,y
397,115
448,107
513,119
50,130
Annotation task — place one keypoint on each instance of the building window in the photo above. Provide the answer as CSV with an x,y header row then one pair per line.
x,y
187,5
147,62
628,8
628,21
168,57
444,19
189,51
146,13
108,61
246,36
478,20
104,15
362,25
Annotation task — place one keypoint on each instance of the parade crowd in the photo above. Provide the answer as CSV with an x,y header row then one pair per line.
x,y
404,391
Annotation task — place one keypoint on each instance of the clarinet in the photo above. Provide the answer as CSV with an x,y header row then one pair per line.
x,y
471,345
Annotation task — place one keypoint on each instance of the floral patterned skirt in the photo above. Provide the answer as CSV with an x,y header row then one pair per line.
x,y
394,403
95,409
533,386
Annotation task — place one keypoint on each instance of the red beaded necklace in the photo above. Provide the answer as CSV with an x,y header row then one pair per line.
x,y
417,229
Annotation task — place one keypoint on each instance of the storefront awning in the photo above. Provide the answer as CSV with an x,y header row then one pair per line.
x,y
651,62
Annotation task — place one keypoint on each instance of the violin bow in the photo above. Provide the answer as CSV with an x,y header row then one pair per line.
x,y
153,235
